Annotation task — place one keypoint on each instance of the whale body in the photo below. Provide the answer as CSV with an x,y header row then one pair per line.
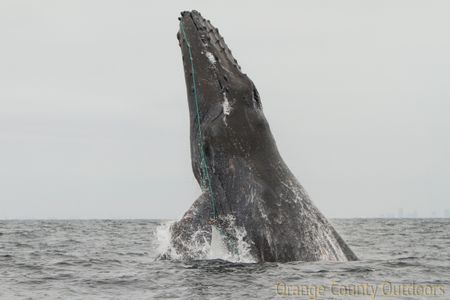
x,y
247,187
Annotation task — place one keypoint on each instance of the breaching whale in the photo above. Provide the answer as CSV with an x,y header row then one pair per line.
x,y
247,187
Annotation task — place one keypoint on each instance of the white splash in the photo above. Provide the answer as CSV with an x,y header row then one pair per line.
x,y
218,248
163,237
197,247
200,248
243,248
210,57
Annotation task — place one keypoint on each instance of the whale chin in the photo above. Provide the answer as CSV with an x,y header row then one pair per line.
x,y
249,193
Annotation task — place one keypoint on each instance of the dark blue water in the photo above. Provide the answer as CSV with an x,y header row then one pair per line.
x,y
115,259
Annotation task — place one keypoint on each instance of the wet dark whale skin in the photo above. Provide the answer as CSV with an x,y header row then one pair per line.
x,y
249,179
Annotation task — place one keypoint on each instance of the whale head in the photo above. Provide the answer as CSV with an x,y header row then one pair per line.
x,y
225,107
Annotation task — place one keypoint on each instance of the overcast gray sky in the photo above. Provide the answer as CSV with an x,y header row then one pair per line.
x,y
94,117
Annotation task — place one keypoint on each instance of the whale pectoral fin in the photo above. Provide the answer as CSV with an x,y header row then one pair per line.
x,y
189,233
345,248
200,210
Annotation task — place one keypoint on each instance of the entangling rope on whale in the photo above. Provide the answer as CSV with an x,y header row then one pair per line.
x,y
251,204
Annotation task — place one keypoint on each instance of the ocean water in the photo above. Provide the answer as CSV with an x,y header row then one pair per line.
x,y
115,259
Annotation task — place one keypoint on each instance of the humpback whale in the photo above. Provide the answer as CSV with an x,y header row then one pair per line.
x,y
247,187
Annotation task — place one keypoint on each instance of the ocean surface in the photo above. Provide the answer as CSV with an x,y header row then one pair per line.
x,y
115,259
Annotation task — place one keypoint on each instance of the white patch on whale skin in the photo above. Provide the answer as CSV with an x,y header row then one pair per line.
x,y
252,195
227,108
226,105
210,57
